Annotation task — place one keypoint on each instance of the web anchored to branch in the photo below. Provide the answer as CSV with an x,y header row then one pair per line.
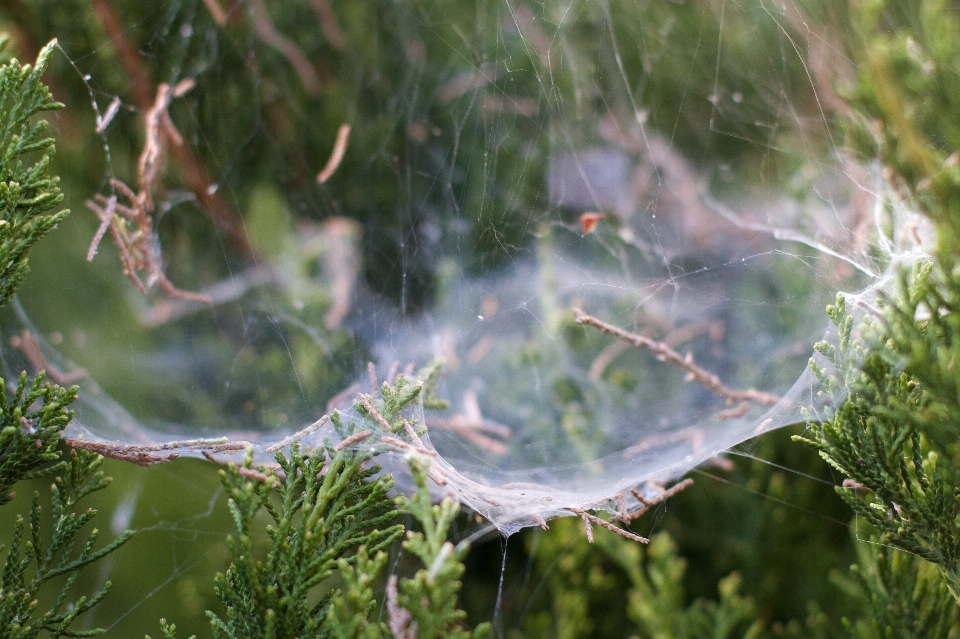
x,y
454,192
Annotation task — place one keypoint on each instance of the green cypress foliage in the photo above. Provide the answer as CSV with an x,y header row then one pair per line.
x,y
29,436
27,192
330,513
584,580
33,562
325,512
430,596
894,437
36,415
901,597
907,83
882,438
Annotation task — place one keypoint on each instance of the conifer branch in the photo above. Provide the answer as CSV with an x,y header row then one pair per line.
x,y
27,191
899,595
425,606
32,562
325,513
33,420
883,436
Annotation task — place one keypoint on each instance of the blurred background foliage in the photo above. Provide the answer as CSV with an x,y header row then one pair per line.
x,y
753,94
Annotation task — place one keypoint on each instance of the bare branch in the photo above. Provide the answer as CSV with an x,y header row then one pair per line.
x,y
399,619
150,454
392,373
647,504
589,519
193,173
217,12
474,430
339,148
264,29
412,434
122,452
139,248
406,447
471,425
373,412
666,354
104,122
27,344
605,358
160,133
737,411
352,439
297,436
330,25
168,309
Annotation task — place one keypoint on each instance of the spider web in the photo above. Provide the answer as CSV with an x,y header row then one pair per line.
x,y
668,169
497,170
544,165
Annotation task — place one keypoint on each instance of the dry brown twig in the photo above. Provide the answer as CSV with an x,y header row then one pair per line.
x,y
27,344
139,246
356,438
194,174
623,515
472,426
216,12
104,121
737,411
407,448
160,132
268,34
299,435
666,354
123,452
245,472
647,504
399,619
367,404
412,434
589,519
392,373
415,446
336,156
691,435
150,454
329,24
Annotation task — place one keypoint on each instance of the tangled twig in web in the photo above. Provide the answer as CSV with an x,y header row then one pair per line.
x,y
625,516
589,520
150,454
131,224
645,504
664,353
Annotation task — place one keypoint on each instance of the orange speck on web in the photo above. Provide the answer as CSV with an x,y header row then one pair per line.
x,y
588,221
